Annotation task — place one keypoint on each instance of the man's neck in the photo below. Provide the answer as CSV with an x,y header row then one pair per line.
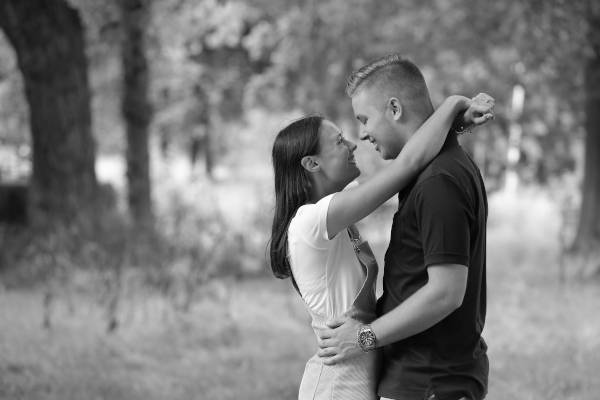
x,y
451,139
419,119
414,125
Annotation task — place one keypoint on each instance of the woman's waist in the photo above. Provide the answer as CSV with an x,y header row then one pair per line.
x,y
365,361
319,321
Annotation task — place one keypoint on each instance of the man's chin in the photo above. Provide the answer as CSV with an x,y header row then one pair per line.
x,y
385,155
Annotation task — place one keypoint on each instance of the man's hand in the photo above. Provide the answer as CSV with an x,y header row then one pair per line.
x,y
480,111
338,342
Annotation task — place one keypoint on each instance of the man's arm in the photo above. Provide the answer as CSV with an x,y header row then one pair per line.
x,y
443,212
441,295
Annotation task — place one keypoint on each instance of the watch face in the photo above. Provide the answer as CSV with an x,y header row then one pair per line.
x,y
366,339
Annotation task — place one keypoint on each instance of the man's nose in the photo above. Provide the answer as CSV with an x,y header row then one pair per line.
x,y
362,135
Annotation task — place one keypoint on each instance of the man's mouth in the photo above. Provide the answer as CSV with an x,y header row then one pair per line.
x,y
373,142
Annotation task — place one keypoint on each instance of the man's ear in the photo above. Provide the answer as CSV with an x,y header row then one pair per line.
x,y
394,108
310,164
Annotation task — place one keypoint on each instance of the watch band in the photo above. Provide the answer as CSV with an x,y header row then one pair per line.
x,y
366,338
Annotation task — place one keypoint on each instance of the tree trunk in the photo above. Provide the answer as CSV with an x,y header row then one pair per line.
x,y
588,234
48,38
207,141
136,109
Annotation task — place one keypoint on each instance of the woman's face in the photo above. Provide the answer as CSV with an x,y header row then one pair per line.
x,y
336,155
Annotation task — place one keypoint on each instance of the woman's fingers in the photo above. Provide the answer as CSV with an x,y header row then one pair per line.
x,y
481,112
483,119
483,98
482,103
482,108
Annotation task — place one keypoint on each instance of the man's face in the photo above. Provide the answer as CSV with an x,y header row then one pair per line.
x,y
378,123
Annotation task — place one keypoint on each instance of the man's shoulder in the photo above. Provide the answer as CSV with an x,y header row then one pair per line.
x,y
446,164
455,167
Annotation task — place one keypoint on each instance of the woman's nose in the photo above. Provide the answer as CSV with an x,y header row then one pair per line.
x,y
351,145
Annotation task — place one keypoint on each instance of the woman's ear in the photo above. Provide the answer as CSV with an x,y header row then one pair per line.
x,y
310,164
394,108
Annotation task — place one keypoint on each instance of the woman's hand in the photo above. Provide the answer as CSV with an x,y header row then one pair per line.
x,y
480,109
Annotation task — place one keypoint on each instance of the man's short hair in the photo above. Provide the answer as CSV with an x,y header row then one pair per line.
x,y
394,76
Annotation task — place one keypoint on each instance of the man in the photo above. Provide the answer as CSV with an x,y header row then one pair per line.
x,y
433,306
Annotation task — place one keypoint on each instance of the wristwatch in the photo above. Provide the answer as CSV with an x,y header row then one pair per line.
x,y
366,338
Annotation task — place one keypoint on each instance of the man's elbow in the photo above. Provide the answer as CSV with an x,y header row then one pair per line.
x,y
452,300
449,283
456,300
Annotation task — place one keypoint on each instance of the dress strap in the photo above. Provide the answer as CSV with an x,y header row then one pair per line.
x,y
363,305
359,248
354,237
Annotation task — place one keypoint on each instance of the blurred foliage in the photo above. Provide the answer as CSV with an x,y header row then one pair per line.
x,y
240,70
113,262
292,55
233,67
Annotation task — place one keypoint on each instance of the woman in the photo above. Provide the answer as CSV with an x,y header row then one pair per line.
x,y
314,240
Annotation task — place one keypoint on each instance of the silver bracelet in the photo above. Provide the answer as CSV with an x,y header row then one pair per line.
x,y
462,130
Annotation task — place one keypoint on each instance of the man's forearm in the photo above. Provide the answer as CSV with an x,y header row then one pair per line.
x,y
425,308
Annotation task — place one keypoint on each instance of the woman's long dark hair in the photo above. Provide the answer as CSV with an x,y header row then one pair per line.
x,y
292,184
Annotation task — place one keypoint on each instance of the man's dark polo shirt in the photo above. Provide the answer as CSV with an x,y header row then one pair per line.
x,y
441,219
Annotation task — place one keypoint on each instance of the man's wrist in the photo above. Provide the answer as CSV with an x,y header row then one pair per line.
x,y
366,338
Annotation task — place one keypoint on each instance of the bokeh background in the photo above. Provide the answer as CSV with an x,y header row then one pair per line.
x,y
136,188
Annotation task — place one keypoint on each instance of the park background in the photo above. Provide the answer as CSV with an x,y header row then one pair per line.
x,y
136,187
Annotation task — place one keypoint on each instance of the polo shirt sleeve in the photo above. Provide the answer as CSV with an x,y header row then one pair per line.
x,y
442,212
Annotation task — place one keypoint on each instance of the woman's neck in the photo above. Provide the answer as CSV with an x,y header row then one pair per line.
x,y
321,189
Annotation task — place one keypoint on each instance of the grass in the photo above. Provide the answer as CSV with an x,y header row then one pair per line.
x,y
222,348
250,338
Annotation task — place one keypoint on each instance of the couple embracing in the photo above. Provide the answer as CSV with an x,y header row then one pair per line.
x,y
422,338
